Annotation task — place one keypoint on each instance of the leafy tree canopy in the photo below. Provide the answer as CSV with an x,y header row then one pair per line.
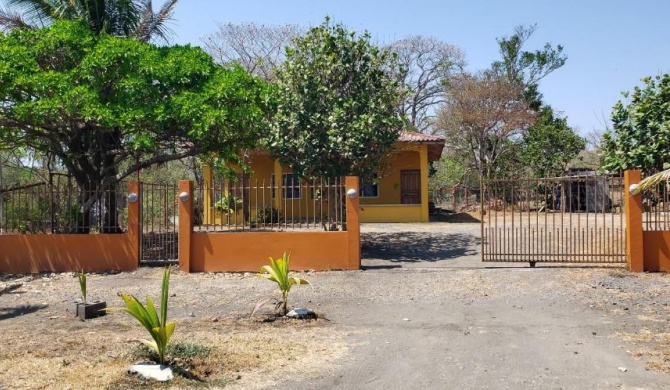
x,y
640,135
336,104
550,144
107,107
524,67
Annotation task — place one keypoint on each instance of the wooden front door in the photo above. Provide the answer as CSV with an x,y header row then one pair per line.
x,y
410,186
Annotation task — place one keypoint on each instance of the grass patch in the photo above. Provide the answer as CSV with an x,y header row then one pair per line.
x,y
174,351
188,360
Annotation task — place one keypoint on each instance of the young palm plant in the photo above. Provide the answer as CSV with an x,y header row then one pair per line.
x,y
82,285
157,325
278,272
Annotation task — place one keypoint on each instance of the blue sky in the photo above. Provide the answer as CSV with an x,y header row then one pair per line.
x,y
611,44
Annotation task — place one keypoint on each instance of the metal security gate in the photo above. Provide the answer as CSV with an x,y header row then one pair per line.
x,y
577,218
159,224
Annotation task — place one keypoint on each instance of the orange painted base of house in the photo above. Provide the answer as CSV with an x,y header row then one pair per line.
x,y
238,252
67,252
657,251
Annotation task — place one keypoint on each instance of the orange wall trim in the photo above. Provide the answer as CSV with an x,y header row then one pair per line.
x,y
657,251
67,253
237,252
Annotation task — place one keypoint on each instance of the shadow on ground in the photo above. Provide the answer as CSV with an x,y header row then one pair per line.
x,y
452,217
11,312
417,246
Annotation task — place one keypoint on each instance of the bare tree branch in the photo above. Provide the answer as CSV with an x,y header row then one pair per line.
x,y
257,48
428,63
484,117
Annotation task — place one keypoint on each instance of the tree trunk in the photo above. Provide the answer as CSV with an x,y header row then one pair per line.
x,y
110,224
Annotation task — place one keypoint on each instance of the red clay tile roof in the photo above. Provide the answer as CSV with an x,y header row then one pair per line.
x,y
435,142
412,136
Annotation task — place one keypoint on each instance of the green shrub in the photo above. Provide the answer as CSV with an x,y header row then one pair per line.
x,y
267,215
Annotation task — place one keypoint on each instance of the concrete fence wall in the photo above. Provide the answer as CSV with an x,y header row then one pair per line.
x,y
248,251
73,252
198,251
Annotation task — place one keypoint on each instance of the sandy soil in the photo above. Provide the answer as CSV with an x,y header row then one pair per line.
x,y
424,313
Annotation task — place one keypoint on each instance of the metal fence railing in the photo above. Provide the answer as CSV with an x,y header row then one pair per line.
x,y
656,204
63,208
256,204
575,218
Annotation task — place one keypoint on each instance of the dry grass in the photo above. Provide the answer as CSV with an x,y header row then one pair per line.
x,y
244,354
654,350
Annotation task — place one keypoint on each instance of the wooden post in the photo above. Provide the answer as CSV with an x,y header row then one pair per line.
x,y
634,234
134,228
353,223
185,224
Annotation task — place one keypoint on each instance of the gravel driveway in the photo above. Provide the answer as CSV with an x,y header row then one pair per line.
x,y
423,314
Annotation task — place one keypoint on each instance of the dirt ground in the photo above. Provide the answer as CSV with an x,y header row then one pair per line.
x,y
424,313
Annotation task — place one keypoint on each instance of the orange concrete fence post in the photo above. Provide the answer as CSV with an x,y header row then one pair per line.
x,y
353,222
134,233
185,199
634,234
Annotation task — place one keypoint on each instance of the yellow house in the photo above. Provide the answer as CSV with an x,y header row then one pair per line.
x,y
399,193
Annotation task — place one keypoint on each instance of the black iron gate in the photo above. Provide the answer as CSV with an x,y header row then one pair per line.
x,y
159,212
577,218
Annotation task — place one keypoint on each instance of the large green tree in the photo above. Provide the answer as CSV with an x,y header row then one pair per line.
x,y
550,144
121,18
107,107
495,120
336,104
640,135
527,68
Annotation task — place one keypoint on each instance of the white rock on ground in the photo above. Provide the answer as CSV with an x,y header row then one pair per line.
x,y
152,371
301,313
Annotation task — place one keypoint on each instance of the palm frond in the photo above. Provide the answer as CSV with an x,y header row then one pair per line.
x,y
33,12
154,25
10,20
652,181
124,16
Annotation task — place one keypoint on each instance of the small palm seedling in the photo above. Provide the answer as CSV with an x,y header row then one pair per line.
x,y
86,309
82,285
278,272
157,325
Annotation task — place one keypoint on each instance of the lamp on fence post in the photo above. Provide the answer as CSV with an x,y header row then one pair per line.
x,y
351,193
132,197
183,196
